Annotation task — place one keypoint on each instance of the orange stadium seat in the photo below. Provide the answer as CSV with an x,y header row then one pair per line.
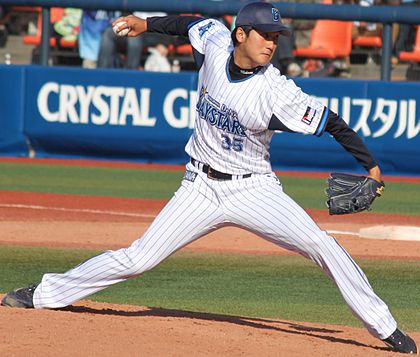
x,y
330,39
368,41
415,54
366,49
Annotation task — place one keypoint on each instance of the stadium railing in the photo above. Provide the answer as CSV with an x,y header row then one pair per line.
x,y
386,15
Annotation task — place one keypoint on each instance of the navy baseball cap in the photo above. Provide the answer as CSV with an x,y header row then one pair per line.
x,y
262,16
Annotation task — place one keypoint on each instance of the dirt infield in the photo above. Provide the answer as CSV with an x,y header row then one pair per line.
x,y
95,329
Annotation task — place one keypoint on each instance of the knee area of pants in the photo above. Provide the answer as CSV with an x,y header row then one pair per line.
x,y
318,242
140,267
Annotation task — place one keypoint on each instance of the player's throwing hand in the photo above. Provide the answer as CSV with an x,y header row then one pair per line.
x,y
130,26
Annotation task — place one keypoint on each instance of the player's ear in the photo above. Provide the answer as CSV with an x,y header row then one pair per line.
x,y
240,35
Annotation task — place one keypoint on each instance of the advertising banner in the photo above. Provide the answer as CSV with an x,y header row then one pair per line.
x,y
109,113
143,116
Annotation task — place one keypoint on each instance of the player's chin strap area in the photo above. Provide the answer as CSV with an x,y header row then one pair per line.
x,y
214,174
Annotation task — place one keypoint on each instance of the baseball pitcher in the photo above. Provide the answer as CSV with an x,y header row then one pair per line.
x,y
242,100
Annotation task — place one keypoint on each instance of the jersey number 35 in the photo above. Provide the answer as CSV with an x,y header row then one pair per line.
x,y
228,144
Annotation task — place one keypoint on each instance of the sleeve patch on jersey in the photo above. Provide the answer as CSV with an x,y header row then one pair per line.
x,y
203,29
309,115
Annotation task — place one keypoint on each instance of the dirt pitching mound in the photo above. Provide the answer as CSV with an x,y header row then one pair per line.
x,y
98,329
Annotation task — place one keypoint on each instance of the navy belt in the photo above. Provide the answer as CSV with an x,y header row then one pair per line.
x,y
214,174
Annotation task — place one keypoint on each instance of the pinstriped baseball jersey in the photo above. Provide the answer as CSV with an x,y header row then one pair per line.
x,y
232,117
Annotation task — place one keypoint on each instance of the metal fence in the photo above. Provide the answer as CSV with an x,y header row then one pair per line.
x,y
386,15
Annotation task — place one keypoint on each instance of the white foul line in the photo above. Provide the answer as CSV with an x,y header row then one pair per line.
x,y
115,213
79,210
344,233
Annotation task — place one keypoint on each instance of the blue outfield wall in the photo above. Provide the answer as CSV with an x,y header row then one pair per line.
x,y
132,115
12,97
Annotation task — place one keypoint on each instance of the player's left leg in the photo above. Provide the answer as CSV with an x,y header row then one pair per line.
x,y
266,210
189,215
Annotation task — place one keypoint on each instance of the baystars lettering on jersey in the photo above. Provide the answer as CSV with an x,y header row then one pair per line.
x,y
219,115
106,105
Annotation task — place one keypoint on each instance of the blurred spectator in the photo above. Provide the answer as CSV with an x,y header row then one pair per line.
x,y
366,28
406,33
69,24
4,18
92,25
113,46
302,29
375,29
283,58
157,61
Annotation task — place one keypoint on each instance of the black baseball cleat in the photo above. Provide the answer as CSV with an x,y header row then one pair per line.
x,y
22,297
401,342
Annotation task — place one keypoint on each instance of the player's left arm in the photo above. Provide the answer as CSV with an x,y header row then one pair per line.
x,y
352,143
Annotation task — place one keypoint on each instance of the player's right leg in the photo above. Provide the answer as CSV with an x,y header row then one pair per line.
x,y
267,211
189,215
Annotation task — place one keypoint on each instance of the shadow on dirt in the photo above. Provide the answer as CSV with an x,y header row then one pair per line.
x,y
257,323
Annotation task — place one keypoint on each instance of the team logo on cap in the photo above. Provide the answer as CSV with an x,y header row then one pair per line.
x,y
276,14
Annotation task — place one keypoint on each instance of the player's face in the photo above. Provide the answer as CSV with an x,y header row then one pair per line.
x,y
257,48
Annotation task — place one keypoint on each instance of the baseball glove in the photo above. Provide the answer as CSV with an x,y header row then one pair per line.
x,y
350,193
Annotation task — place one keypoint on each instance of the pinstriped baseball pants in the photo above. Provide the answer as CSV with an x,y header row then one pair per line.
x,y
201,205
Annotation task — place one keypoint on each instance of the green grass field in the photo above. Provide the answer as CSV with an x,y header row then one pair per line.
x,y
402,198
259,286
262,286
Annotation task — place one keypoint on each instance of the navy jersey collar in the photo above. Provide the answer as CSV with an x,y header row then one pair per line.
x,y
237,74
